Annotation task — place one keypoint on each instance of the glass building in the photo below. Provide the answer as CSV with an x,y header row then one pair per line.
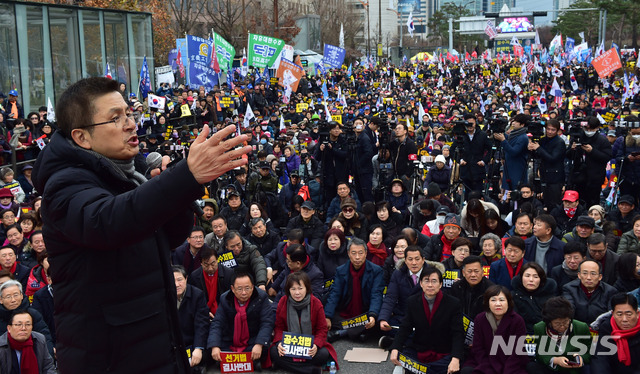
x,y
44,48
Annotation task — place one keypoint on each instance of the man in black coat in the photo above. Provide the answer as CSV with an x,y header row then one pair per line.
x,y
438,332
470,289
43,303
193,315
589,163
333,156
187,255
211,278
401,148
362,164
112,309
8,261
474,155
311,225
551,152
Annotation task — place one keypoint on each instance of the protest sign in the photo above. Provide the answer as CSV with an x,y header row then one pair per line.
x,y
297,345
164,74
300,107
167,134
356,321
264,50
467,323
227,103
607,63
289,74
186,112
449,278
227,259
231,362
333,56
337,118
413,366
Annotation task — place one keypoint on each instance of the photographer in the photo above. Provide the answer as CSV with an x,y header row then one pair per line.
x,y
363,167
589,171
473,147
627,156
401,148
515,153
332,153
551,150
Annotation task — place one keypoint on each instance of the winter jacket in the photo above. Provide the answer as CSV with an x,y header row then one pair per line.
x,y
554,255
400,287
529,304
577,329
499,274
313,230
193,313
629,243
249,260
340,292
551,153
588,309
470,297
96,219
8,357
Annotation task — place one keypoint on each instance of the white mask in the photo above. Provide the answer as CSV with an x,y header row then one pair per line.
x,y
590,133
440,220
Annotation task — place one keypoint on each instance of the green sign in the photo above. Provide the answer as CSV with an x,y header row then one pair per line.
x,y
264,50
226,52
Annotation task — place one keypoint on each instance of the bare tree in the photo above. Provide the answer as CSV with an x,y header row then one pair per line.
x,y
332,14
226,18
185,13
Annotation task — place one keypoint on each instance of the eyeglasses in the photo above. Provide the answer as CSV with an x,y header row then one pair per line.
x,y
433,282
559,324
14,296
22,325
32,118
243,289
589,273
119,121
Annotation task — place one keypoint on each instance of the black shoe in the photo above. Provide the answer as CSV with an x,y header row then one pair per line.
x,y
332,336
385,342
362,338
257,366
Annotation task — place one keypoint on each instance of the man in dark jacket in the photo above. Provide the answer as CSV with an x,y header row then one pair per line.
x,y
297,260
589,163
8,261
470,289
362,164
256,314
608,358
333,155
188,254
401,148
574,254
311,225
289,191
236,212
597,250
193,314
566,215
20,330
344,301
246,258
98,211
474,155
543,247
588,294
551,151
212,279
438,334
343,191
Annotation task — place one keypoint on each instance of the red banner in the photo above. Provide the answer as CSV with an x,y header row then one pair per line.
x,y
607,63
231,362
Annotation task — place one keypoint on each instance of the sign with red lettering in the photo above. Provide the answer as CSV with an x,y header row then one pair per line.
x,y
231,362
607,63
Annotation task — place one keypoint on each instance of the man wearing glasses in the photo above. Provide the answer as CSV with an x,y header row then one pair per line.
x,y
608,259
188,254
13,301
244,321
109,232
588,294
23,347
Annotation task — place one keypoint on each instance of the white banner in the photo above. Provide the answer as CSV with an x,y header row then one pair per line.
x,y
164,74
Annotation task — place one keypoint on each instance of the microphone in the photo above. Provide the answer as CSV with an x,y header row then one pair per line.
x,y
154,161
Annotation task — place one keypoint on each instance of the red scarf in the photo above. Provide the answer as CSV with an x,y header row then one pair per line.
x,y
510,268
13,268
446,248
240,327
211,283
28,360
624,355
431,356
377,254
355,306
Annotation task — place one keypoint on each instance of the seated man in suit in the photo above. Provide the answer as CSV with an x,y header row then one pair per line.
x,y
438,339
193,316
188,254
347,300
503,270
211,278
588,294
244,320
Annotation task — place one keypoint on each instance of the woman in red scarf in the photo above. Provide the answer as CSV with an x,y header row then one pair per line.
x,y
376,250
300,312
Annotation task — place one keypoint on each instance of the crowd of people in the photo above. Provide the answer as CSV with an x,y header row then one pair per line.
x,y
443,216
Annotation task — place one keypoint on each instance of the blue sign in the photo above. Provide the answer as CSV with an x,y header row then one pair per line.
x,y
200,71
333,56
173,55
569,44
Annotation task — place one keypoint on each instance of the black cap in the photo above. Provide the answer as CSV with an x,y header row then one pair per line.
x,y
443,209
309,205
586,221
233,193
263,165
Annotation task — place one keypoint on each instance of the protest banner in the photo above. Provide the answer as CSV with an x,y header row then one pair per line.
x,y
164,74
297,345
227,102
467,323
226,52
607,63
289,74
449,278
200,72
231,362
356,321
264,50
333,56
300,107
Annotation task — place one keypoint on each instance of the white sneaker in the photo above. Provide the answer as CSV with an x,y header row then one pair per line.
x,y
398,370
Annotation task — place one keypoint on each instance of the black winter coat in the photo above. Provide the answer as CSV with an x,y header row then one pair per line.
x,y
474,150
529,304
470,297
551,153
194,318
225,274
109,244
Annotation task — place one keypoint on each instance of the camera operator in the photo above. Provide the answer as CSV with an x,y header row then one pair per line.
x,y
363,167
332,153
515,152
550,150
401,148
474,154
627,156
596,150
370,130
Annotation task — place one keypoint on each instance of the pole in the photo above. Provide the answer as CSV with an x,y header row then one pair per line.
x,y
368,28
599,27
604,25
275,18
401,25
450,34
379,22
244,18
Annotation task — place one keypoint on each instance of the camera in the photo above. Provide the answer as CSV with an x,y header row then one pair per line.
x,y
536,129
497,125
576,131
323,132
460,127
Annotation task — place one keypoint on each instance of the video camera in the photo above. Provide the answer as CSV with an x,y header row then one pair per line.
x,y
384,130
496,125
460,127
323,132
536,129
576,131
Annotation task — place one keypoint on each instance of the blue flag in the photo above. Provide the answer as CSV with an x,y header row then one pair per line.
x,y
229,76
200,71
325,91
349,71
145,82
320,68
333,56
266,76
